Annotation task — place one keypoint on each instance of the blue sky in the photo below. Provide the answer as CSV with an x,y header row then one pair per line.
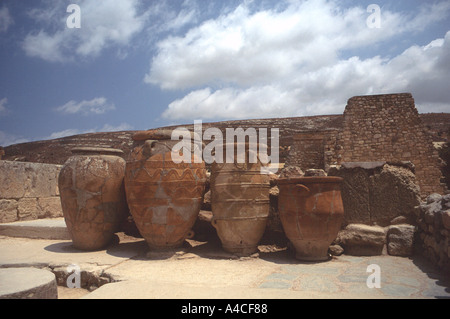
x,y
136,64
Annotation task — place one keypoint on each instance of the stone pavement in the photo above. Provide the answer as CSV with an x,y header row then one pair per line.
x,y
204,270
347,276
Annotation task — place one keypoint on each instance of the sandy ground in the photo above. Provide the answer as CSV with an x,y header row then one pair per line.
x,y
71,293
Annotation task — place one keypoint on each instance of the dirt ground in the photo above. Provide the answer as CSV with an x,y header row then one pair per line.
x,y
71,293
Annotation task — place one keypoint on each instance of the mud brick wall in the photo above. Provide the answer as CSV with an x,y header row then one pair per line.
x,y
28,191
388,128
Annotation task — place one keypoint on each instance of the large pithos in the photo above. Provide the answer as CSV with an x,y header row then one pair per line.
x,y
240,203
93,196
311,212
164,197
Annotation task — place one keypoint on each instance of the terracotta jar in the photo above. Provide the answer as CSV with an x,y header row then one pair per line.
x,y
164,197
311,212
240,203
93,196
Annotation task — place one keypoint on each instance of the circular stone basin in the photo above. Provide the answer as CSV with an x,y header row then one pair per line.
x,y
27,283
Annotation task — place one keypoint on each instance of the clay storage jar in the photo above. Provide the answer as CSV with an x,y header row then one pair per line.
x,y
311,212
164,197
240,203
93,195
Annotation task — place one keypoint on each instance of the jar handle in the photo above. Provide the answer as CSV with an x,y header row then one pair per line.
x,y
190,234
303,188
148,147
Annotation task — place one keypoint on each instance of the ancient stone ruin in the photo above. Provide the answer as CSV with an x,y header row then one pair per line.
x,y
392,189
433,221
28,191
375,128
389,166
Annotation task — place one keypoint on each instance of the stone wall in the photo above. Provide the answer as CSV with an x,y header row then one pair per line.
x,y
375,128
307,150
433,220
378,193
28,191
315,149
380,200
388,128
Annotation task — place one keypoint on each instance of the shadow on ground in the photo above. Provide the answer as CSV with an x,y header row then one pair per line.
x,y
441,279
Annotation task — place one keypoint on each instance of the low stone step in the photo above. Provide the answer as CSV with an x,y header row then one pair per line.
x,y
27,283
54,228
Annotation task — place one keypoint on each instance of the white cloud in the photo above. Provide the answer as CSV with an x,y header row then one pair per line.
x,y
184,17
98,105
289,61
3,109
7,139
104,24
5,19
266,101
242,47
428,13
67,132
422,70
116,128
104,128
45,46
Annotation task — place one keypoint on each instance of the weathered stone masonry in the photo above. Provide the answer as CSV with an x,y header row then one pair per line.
x,y
388,128
28,191
376,128
433,220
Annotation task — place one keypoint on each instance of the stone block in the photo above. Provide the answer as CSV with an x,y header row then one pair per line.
x,y
446,218
429,210
28,208
400,220
363,165
362,240
315,172
446,198
376,193
20,179
434,198
27,283
8,210
48,228
400,240
336,250
393,193
50,207
355,194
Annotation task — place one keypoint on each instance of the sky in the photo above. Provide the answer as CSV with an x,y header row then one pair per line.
x,y
114,65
